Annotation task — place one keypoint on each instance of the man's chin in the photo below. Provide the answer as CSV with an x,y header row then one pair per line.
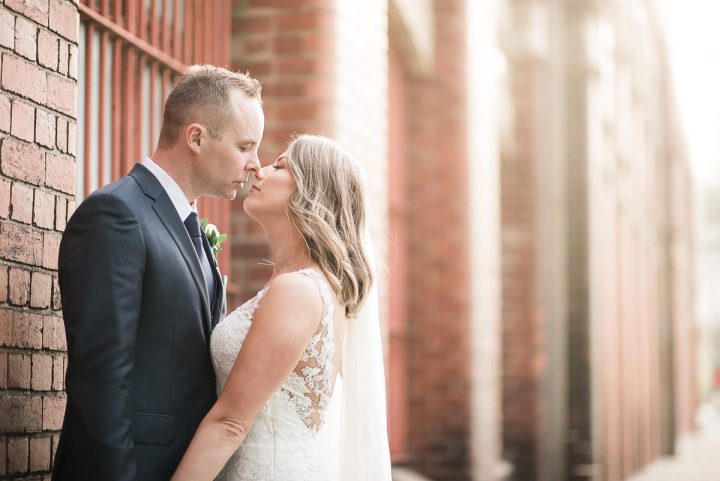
x,y
229,194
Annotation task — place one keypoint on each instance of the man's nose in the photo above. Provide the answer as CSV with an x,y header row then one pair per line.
x,y
255,167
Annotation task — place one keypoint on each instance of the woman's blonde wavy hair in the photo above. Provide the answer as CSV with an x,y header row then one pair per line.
x,y
328,208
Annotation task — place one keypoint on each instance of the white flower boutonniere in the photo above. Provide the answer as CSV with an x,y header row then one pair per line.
x,y
214,237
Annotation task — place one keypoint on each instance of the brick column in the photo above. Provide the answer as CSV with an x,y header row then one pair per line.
x,y
523,323
439,267
38,64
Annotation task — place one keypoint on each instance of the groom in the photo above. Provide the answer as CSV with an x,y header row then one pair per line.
x,y
141,291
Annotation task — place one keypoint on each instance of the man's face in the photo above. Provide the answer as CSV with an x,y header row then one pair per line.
x,y
227,161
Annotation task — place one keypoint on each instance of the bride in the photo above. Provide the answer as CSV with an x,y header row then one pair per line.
x,y
282,358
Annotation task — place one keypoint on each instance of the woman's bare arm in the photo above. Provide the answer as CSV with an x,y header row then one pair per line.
x,y
287,317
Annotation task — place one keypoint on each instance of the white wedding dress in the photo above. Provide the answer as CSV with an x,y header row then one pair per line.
x,y
282,444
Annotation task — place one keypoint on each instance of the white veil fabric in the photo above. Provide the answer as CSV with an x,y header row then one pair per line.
x,y
354,439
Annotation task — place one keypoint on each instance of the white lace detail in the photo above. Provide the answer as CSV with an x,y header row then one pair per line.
x,y
282,444
310,384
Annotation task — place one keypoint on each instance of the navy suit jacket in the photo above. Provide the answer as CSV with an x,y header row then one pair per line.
x,y
138,324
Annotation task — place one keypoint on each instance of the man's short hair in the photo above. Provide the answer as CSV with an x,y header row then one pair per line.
x,y
202,95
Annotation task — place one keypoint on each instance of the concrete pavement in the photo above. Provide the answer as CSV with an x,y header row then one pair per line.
x,y
698,457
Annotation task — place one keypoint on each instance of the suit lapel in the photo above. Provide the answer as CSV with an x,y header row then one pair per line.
x,y
168,215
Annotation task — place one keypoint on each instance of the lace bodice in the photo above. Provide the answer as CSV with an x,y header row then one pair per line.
x,y
282,443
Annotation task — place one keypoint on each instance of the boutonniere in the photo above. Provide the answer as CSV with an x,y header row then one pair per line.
x,y
214,237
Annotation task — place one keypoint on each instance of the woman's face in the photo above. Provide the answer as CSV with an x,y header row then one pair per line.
x,y
268,197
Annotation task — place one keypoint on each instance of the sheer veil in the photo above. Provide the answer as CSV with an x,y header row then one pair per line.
x,y
354,439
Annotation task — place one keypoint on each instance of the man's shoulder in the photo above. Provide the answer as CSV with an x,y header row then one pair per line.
x,y
123,194
125,188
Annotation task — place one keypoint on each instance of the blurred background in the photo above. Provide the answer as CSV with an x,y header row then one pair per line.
x,y
544,181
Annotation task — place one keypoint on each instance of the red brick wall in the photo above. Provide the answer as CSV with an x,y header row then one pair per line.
x,y
38,52
288,45
439,303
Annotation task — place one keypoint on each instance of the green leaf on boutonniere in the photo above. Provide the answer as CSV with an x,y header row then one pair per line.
x,y
214,237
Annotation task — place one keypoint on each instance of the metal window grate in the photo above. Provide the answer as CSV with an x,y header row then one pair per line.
x,y
130,53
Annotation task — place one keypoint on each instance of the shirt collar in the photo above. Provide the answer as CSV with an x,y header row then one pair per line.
x,y
177,196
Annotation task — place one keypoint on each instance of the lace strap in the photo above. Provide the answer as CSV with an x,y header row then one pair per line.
x,y
324,289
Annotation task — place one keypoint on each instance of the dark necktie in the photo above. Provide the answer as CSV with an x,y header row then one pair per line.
x,y
193,227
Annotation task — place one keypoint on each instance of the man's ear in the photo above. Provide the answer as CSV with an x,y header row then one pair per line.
x,y
194,137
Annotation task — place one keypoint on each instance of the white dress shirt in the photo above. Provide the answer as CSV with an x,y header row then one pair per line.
x,y
177,196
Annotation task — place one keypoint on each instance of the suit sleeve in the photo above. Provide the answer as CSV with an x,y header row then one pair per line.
x,y
101,267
